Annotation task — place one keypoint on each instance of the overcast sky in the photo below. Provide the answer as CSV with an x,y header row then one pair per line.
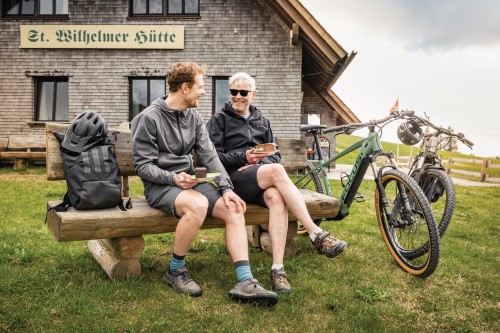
x,y
441,57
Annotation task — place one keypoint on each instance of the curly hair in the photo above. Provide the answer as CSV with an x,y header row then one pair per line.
x,y
183,72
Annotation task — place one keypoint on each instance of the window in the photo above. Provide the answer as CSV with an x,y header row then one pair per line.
x,y
52,99
314,119
35,8
165,8
221,92
143,91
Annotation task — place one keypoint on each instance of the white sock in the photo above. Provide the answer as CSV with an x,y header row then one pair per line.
x,y
315,233
277,266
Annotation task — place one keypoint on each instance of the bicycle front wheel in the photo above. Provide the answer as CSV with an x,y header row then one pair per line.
x,y
440,192
310,182
407,224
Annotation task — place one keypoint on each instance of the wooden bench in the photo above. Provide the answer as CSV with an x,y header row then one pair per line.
x,y
115,236
23,148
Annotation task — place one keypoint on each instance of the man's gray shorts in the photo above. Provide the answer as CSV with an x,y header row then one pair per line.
x,y
163,196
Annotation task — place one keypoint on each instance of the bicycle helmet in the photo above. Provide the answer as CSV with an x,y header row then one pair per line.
x,y
410,133
86,130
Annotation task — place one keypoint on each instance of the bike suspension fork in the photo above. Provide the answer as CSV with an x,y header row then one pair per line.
x,y
385,201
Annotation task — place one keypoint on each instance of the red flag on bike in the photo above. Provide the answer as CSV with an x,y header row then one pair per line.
x,y
395,107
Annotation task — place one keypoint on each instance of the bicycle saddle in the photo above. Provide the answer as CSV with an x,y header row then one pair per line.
x,y
311,127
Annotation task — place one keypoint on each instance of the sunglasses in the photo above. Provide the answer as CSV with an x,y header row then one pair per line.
x,y
243,93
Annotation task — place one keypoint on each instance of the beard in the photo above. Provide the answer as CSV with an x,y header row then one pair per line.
x,y
192,102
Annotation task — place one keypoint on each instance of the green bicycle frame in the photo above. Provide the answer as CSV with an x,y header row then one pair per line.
x,y
369,147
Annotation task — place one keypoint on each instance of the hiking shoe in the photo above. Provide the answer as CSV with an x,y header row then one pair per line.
x,y
250,291
182,282
279,281
328,245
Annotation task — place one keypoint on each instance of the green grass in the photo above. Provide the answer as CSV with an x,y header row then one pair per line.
x,y
58,287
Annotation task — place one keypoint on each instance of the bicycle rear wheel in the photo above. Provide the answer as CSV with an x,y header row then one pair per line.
x,y
440,191
311,182
407,228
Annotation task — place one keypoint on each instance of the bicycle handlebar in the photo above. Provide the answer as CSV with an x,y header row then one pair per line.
x,y
460,136
406,114
349,128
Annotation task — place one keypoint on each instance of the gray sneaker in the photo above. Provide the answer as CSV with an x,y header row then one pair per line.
x,y
182,282
328,245
279,281
250,291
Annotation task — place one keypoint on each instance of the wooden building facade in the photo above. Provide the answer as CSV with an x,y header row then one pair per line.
x,y
62,57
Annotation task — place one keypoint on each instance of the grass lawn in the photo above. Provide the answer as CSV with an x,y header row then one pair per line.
x,y
58,287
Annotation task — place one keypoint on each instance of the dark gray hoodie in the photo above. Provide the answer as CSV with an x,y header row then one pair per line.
x,y
162,141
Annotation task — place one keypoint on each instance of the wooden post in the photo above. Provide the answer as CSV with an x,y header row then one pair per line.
x,y
290,246
397,155
118,257
20,163
125,187
410,158
448,165
482,177
256,231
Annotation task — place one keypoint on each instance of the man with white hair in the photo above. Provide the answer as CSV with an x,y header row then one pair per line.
x,y
258,177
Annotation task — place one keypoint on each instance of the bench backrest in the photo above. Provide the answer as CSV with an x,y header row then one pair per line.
x,y
3,143
293,151
17,142
32,141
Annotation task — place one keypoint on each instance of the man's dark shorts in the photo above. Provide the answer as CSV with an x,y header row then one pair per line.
x,y
163,196
246,185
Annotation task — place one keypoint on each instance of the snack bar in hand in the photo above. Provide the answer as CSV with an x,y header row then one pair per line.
x,y
200,172
266,148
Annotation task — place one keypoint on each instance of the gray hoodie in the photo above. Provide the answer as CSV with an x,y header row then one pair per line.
x,y
162,141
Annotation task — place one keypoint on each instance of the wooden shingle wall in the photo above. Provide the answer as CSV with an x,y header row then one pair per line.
x,y
230,36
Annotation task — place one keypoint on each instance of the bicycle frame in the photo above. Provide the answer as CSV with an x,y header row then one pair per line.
x,y
370,148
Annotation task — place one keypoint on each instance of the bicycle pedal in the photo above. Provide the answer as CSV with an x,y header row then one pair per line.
x,y
359,197
344,177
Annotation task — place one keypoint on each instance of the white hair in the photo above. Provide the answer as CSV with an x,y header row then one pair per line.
x,y
242,78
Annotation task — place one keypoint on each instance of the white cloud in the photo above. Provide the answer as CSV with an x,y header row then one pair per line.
x,y
439,57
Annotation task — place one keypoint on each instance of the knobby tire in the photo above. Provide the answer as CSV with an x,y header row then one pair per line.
x,y
407,231
439,189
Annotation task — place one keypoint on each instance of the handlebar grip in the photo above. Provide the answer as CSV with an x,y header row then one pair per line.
x,y
468,142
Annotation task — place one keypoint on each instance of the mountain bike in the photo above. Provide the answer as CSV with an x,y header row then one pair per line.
x,y
404,215
428,171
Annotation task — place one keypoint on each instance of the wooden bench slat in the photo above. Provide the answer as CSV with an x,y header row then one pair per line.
x,y
23,154
142,219
30,141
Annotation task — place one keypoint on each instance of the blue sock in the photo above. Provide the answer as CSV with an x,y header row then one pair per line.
x,y
243,271
176,262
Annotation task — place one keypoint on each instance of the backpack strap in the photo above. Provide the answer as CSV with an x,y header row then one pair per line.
x,y
62,207
127,205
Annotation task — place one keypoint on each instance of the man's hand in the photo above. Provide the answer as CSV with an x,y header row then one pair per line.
x,y
253,158
231,196
184,181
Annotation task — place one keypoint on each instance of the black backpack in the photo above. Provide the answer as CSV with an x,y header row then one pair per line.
x,y
90,168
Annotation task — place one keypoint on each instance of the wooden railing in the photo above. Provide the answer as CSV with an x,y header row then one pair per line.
x,y
455,165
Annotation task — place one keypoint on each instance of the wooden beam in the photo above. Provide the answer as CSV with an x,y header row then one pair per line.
x,y
29,141
23,154
294,34
142,220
